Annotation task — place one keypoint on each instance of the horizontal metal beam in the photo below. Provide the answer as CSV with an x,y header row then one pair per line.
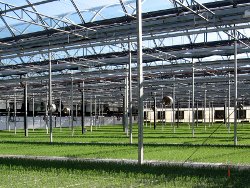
x,y
26,6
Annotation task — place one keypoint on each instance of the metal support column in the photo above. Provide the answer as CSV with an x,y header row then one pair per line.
x,y
126,104
155,112
229,101
76,106
178,113
50,101
150,114
72,107
46,110
60,107
15,112
209,110
173,106
189,100
99,113
91,118
205,108
33,111
146,118
25,109
192,97
197,113
123,114
212,113
103,119
140,81
83,109
95,113
162,110
235,92
225,113
8,115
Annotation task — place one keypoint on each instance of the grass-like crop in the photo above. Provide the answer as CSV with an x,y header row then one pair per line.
x,y
44,173
115,151
214,144
164,134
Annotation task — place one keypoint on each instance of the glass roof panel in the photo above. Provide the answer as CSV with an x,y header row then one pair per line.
x,y
87,15
55,8
64,9
4,33
148,6
109,12
74,18
86,5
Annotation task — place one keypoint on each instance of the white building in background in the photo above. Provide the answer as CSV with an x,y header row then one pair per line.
x,y
215,114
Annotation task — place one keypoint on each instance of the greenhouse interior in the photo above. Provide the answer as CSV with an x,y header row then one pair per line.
x,y
127,86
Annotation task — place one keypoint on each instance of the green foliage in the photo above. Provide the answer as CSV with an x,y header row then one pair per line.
x,y
45,173
165,134
213,144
